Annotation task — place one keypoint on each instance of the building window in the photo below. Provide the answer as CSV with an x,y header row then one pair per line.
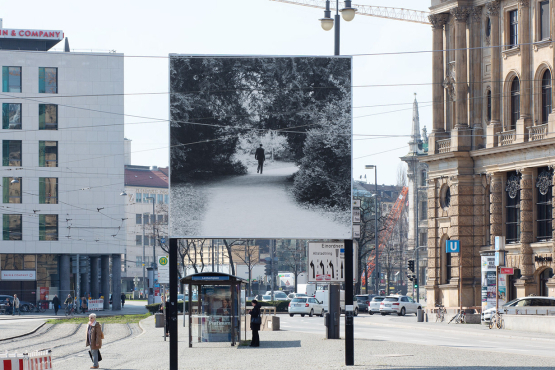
x,y
166,219
48,190
11,116
488,27
166,199
48,117
11,79
423,241
445,198
515,102
147,239
138,219
160,219
513,208
139,198
423,210
153,219
423,178
488,109
513,29
160,199
146,219
448,266
11,189
11,229
138,240
544,185
544,20
48,80
11,153
546,95
153,198
48,227
48,154
153,241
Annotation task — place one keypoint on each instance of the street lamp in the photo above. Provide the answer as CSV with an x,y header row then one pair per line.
x,y
376,238
348,14
153,232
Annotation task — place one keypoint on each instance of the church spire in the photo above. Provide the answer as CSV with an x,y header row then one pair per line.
x,y
415,132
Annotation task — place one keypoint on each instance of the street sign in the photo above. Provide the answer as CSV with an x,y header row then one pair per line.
x,y
356,203
163,270
163,240
453,246
356,231
500,258
356,215
326,262
507,270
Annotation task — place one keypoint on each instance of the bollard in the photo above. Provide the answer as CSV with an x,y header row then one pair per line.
x,y
420,315
158,320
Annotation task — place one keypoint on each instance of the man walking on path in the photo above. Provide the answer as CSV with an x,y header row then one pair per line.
x,y
259,155
122,299
94,339
16,305
56,303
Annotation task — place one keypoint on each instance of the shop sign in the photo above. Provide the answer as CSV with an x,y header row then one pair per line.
x,y
18,275
507,270
6,33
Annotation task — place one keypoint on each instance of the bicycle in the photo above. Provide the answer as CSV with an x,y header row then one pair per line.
x,y
440,313
37,308
70,311
497,321
460,318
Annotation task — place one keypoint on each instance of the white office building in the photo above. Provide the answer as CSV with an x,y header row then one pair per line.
x,y
62,173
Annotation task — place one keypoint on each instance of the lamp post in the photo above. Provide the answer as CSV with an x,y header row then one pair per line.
x,y
153,233
376,232
348,14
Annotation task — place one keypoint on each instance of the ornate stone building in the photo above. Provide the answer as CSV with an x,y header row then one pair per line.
x,y
492,145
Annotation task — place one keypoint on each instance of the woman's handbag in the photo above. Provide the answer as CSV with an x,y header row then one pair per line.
x,y
256,320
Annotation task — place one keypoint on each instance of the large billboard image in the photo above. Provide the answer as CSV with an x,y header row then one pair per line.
x,y
260,147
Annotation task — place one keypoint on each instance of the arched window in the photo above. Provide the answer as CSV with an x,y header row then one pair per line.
x,y
515,102
488,95
546,95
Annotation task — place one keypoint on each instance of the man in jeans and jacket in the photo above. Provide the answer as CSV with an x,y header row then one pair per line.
x,y
94,339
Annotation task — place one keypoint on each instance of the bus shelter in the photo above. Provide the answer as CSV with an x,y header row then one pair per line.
x,y
215,316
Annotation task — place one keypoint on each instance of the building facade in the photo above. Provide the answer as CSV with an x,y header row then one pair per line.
x,y
62,169
492,145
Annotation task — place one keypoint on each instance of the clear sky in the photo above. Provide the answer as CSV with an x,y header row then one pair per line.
x,y
259,27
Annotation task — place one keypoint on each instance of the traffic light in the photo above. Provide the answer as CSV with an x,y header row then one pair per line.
x,y
268,269
416,282
411,265
410,277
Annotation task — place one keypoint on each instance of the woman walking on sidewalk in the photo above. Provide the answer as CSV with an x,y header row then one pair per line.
x,y
94,339
256,320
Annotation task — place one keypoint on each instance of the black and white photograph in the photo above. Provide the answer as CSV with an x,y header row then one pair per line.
x,y
260,147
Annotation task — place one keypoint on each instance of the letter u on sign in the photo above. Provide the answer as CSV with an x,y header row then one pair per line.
x,y
452,246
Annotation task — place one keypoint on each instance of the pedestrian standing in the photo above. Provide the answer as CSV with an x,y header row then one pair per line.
x,y
16,305
84,304
94,339
256,320
56,303
122,299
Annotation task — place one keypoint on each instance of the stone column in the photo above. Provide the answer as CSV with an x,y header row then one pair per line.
x,y
525,285
496,206
95,287
524,32
438,74
86,278
434,252
551,119
65,271
551,282
494,126
475,66
105,280
116,282
461,134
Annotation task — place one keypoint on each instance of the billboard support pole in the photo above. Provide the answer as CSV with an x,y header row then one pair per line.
x,y
349,324
173,304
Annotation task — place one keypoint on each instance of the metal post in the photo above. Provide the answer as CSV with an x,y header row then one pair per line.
x,y
337,18
416,262
77,283
272,251
173,304
460,281
153,236
376,232
349,324
144,257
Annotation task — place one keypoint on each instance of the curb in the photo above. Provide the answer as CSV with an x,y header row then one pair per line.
x,y
22,335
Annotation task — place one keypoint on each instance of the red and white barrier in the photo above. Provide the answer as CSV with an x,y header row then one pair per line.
x,y
40,360
95,305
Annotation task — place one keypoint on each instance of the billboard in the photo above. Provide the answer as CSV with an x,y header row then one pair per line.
x,y
260,147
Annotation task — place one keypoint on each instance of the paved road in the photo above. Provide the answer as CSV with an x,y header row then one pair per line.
x,y
264,204
407,330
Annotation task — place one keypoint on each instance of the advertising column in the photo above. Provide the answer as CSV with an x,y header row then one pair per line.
x,y
488,280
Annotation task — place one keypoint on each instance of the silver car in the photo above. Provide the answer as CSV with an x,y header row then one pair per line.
x,y
306,305
399,304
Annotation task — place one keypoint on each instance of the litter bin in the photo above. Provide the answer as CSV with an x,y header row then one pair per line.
x,y
420,315
274,323
159,320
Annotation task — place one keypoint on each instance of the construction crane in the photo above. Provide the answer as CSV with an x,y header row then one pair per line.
x,y
390,223
407,15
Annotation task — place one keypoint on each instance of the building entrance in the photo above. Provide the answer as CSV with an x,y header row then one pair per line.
x,y
544,277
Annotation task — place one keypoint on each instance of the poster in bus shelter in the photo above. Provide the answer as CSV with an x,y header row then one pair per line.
x,y
260,147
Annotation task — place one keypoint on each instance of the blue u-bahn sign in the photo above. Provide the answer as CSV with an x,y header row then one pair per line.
x,y
452,246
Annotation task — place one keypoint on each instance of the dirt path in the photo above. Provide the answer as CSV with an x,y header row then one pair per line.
x,y
259,206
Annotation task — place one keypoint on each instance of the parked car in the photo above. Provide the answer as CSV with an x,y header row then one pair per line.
x,y
24,306
363,301
278,295
524,302
375,304
295,295
399,304
306,305
266,298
